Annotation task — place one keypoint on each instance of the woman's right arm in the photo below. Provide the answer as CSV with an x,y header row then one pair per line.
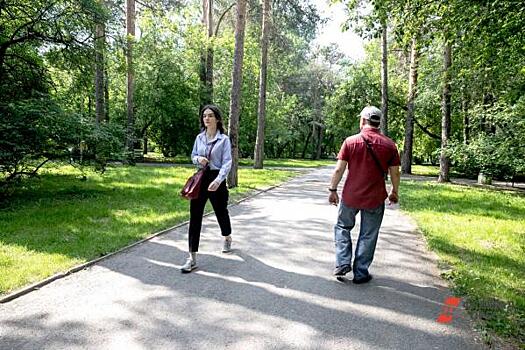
x,y
194,155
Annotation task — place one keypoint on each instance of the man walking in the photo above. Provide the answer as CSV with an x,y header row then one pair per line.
x,y
368,156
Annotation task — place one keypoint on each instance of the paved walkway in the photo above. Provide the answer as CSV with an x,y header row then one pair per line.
x,y
275,291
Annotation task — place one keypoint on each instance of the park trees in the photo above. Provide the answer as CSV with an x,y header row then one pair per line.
x,y
261,109
38,40
485,75
235,96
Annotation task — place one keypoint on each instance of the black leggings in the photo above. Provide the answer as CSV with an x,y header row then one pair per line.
x,y
219,201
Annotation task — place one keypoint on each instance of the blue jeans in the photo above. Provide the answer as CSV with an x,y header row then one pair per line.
x,y
366,243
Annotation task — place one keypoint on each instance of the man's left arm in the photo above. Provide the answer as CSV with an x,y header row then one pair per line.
x,y
395,178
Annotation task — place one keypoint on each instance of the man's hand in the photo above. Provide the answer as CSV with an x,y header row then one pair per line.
x,y
203,161
393,197
214,185
333,198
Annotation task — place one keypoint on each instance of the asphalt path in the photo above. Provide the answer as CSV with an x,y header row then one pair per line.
x,y
274,291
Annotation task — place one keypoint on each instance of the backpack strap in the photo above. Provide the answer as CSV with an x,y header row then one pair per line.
x,y
376,160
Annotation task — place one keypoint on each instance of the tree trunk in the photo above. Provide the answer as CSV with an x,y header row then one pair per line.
x,y
100,38
305,148
106,94
488,101
444,162
90,104
406,161
261,109
466,119
319,142
3,51
314,139
202,71
209,58
384,81
130,30
317,116
235,97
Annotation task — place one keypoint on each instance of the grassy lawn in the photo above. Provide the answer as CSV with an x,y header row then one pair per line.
x,y
290,163
431,170
284,163
58,221
480,236
425,170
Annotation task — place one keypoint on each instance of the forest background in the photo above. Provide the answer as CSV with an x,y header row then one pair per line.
x,y
92,81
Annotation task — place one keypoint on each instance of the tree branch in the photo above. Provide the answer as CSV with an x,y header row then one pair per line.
x,y
425,130
222,16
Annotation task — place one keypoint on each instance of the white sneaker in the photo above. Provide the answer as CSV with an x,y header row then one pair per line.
x,y
227,246
188,266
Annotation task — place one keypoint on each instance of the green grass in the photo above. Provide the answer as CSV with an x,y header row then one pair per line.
x,y
480,235
432,170
425,170
290,163
284,163
158,157
57,221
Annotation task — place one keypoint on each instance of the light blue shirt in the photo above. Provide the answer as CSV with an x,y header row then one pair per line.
x,y
221,155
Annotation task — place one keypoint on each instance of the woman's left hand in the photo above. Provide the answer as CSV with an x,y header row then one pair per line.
x,y
214,185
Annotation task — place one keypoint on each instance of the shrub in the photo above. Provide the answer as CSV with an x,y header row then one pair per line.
x,y
37,130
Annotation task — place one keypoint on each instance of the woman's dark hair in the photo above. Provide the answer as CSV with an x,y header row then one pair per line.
x,y
217,114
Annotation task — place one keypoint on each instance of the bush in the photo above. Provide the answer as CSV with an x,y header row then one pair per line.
x,y
37,130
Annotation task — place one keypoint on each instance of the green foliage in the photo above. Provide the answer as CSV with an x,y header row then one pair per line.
x,y
166,92
30,28
360,89
500,153
37,130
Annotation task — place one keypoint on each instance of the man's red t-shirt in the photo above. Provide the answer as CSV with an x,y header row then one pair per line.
x,y
365,185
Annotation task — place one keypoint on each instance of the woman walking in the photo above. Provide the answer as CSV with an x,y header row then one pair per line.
x,y
211,150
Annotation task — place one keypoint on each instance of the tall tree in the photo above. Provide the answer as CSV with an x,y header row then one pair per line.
x,y
235,96
384,79
444,162
209,56
406,162
261,109
203,52
130,38
100,47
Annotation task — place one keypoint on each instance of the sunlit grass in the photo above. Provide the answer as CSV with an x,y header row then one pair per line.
x,y
425,170
285,163
432,170
291,163
57,220
480,235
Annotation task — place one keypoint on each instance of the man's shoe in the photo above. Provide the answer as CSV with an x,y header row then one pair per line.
x,y
342,270
362,280
188,266
227,246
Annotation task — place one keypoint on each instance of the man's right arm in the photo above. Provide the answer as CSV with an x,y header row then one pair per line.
x,y
336,178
